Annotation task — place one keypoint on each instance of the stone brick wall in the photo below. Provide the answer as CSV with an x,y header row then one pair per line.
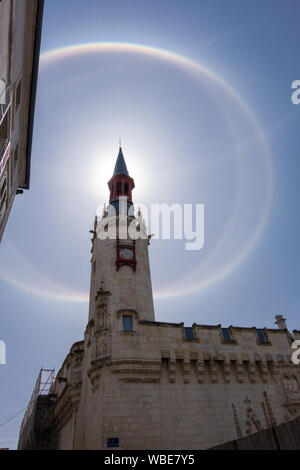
x,y
129,289
154,389
157,387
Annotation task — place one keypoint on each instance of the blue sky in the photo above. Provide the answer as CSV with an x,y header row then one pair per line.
x,y
186,140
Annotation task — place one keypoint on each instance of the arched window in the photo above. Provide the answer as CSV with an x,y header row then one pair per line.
x,y
126,188
119,187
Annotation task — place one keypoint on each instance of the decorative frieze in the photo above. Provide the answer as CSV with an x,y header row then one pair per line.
x,y
137,370
172,370
186,370
179,354
193,355
227,371
165,354
200,371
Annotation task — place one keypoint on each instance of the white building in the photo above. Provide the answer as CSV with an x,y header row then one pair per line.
x,y
20,33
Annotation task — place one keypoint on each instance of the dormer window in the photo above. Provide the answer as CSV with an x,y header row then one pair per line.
x,y
261,335
189,332
226,334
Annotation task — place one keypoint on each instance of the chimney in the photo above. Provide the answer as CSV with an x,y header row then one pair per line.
x,y
280,322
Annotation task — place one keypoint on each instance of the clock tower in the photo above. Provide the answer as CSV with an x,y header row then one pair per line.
x,y
120,272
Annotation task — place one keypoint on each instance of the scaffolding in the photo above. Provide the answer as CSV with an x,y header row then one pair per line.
x,y
45,380
43,386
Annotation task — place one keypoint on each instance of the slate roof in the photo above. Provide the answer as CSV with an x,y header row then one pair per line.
x,y
120,167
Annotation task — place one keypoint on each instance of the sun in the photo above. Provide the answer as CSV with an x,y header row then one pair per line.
x,y
100,169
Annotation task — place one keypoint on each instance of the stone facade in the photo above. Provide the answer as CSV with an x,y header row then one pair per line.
x,y
128,289
153,389
154,385
20,34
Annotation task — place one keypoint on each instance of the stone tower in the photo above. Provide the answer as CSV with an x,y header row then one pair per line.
x,y
137,383
120,265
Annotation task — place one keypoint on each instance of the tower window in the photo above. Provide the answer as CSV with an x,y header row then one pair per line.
x,y
119,187
226,334
127,323
261,335
126,188
189,332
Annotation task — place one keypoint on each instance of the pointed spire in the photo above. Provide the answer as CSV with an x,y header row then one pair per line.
x,y
120,167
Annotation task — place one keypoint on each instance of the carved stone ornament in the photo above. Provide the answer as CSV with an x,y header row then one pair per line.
x,y
291,388
94,375
101,347
252,423
101,321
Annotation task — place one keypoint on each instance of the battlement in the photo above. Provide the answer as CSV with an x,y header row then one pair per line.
x,y
150,338
201,353
240,380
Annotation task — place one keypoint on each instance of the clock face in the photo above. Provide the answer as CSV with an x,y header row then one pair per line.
x,y
126,254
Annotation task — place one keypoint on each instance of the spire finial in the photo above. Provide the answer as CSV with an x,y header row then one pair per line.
x,y
120,143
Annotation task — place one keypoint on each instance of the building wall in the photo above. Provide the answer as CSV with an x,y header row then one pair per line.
x,y
129,289
65,436
156,390
158,385
20,25
5,24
